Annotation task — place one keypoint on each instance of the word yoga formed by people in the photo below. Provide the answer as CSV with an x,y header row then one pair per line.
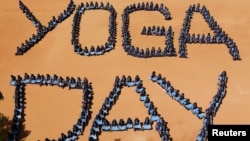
x,y
219,37
101,123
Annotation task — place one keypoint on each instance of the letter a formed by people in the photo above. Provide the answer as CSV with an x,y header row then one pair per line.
x,y
219,37
101,124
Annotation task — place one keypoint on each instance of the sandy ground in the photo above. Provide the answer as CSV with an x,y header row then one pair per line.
x,y
51,110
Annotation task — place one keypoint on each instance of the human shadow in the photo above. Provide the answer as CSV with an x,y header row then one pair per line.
x,y
23,133
1,96
5,127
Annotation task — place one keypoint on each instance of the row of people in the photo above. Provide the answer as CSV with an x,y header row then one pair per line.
x,y
206,39
218,38
213,108
127,81
47,79
29,15
62,16
135,51
182,49
208,120
169,42
101,124
175,94
100,50
202,135
35,38
155,30
185,30
149,6
169,49
221,35
122,125
18,117
96,5
113,96
103,112
233,50
147,53
82,122
41,29
163,130
152,110
217,99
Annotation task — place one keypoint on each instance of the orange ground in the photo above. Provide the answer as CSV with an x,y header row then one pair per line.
x,y
51,110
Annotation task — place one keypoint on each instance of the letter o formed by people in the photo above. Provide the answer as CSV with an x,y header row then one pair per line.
x,y
99,50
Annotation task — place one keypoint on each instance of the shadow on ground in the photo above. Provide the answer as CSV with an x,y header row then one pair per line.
x,y
5,126
23,133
